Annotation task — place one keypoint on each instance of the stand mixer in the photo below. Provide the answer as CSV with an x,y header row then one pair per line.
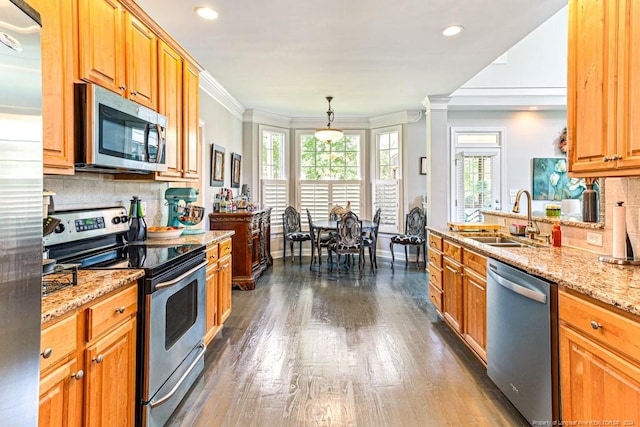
x,y
181,211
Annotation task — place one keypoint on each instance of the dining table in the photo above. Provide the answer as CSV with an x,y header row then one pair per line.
x,y
332,225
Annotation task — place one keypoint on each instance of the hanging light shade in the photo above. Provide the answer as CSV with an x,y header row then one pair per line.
x,y
327,134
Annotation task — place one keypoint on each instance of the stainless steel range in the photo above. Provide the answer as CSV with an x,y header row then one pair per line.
x,y
171,317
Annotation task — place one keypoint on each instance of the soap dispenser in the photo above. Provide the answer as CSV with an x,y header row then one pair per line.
x,y
557,235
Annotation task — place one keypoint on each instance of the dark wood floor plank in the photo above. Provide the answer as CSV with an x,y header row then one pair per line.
x,y
309,350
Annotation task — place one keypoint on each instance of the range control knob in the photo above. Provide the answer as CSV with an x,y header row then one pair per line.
x,y
116,220
59,228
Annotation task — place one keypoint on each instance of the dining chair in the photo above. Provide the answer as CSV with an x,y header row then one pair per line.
x,y
292,232
414,235
371,239
348,240
323,241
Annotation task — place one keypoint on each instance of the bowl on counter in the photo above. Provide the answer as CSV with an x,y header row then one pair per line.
x,y
163,233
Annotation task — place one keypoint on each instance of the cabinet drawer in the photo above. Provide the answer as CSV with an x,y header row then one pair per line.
x,y
435,276
435,296
616,331
57,341
106,314
452,250
435,258
212,253
475,262
224,248
435,242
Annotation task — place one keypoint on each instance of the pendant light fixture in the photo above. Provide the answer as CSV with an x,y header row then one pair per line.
x,y
327,134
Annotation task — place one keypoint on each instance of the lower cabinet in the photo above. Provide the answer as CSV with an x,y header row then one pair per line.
x,y
458,290
88,364
218,287
599,362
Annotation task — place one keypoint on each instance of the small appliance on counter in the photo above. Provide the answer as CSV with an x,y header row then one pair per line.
x,y
181,211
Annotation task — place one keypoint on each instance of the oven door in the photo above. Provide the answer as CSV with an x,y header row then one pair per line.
x,y
174,328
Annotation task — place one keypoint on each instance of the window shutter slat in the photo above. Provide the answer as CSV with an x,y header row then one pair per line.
x,y
385,197
274,195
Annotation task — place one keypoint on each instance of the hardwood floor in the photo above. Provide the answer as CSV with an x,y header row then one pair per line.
x,y
303,350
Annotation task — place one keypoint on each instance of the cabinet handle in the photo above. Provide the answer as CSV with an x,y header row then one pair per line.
x,y
120,310
595,325
78,375
616,157
47,353
134,93
605,159
123,87
98,359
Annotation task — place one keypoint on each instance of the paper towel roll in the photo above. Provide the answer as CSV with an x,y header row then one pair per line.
x,y
619,231
571,206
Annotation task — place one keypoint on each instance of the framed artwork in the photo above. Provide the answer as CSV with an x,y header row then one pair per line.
x,y
235,170
423,165
550,180
217,166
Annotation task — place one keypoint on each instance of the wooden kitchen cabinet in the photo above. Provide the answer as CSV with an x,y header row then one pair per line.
x,y
218,287
603,92
599,362
453,294
435,272
224,288
88,364
475,302
57,85
191,151
117,51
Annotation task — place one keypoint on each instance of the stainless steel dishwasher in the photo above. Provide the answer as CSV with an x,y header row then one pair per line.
x,y
522,340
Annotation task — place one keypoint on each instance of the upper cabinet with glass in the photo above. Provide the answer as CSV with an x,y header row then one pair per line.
x,y
603,93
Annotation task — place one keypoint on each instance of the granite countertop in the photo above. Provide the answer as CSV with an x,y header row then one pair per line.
x,y
572,268
93,284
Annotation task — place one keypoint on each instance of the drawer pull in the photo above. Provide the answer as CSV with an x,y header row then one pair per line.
x,y
78,375
47,353
595,325
120,310
98,359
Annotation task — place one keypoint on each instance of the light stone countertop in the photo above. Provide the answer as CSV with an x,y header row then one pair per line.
x,y
572,268
93,284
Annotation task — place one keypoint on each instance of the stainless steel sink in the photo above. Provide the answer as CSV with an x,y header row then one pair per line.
x,y
500,241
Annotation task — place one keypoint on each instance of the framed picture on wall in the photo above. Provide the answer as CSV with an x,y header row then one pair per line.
x,y
217,166
235,170
423,165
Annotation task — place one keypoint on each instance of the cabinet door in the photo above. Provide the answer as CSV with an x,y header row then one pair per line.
x,y
629,90
212,298
475,312
191,140
452,281
101,44
59,392
591,84
224,289
170,105
142,63
110,378
57,84
597,384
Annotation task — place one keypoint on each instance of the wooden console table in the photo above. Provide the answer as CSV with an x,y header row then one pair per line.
x,y
251,243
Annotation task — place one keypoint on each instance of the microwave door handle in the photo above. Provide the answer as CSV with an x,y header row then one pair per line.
x,y
146,141
161,143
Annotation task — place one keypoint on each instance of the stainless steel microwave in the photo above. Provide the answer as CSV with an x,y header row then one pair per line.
x,y
114,134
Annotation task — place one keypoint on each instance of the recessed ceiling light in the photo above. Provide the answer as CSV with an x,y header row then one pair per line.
x,y
206,12
452,30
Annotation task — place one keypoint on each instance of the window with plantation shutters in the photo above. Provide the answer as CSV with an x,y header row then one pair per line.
x,y
477,174
274,195
385,197
273,185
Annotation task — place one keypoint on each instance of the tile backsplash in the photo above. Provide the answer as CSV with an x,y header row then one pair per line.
x,y
90,190
625,190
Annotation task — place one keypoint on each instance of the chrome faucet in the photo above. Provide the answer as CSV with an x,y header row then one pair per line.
x,y
532,229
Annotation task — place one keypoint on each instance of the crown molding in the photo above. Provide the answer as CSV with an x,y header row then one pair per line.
x,y
265,118
319,122
398,118
216,91
509,98
436,102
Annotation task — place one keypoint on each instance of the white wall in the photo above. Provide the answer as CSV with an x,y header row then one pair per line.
x,y
222,128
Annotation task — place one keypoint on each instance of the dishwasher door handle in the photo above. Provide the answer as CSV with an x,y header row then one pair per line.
x,y
518,289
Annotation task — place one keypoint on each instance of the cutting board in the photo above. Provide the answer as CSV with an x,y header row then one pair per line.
x,y
472,226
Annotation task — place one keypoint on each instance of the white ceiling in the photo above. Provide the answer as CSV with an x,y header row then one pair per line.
x,y
375,57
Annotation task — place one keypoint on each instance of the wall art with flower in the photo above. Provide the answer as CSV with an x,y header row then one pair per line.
x,y
550,180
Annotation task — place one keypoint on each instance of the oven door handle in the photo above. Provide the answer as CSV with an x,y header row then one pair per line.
x,y
178,279
169,395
